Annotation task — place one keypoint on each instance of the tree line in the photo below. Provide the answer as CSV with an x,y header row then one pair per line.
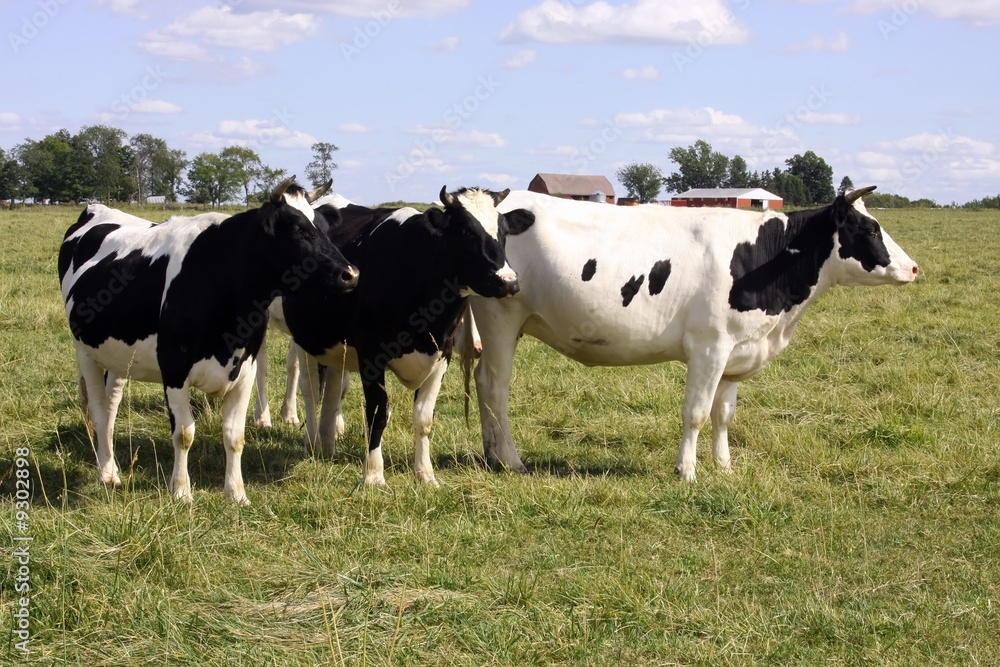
x,y
101,163
807,178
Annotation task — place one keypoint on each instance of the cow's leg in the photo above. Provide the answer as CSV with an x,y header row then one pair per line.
x,y
331,417
99,409
309,378
704,372
493,373
289,409
262,411
234,417
423,418
376,417
182,437
723,410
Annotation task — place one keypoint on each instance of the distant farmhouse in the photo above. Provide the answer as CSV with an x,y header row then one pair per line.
x,y
728,197
571,186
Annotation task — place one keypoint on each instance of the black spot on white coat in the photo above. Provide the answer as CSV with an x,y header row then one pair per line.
x,y
658,276
589,269
631,288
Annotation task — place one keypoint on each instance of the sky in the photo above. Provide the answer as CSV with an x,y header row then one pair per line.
x,y
417,94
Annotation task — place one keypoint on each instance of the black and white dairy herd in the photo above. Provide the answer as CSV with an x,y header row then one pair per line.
x,y
187,303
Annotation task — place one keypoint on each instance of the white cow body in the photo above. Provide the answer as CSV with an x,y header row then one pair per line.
x,y
593,288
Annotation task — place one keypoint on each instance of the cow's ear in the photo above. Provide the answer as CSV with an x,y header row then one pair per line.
x,y
437,220
519,221
268,220
499,196
843,204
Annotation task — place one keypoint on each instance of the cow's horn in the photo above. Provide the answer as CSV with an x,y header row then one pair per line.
x,y
446,198
313,195
855,195
280,190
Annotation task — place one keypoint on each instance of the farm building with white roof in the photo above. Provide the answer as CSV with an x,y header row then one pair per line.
x,y
728,197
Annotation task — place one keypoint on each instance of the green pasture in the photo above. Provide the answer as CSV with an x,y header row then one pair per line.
x,y
861,525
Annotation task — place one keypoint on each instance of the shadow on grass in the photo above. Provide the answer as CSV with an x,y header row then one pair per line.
x,y
548,466
62,468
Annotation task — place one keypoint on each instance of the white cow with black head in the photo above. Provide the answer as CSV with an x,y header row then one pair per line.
x,y
718,289
184,303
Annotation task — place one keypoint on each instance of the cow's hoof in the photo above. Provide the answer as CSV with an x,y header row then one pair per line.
x,y
292,421
685,472
725,467
111,479
427,478
184,497
263,423
375,479
242,500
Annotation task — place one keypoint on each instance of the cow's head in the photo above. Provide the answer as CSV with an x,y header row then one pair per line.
x,y
476,233
302,253
868,254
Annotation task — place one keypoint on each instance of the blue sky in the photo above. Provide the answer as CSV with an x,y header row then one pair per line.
x,y
417,94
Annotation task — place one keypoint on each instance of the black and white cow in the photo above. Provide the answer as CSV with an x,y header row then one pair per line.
x,y
718,289
416,269
185,303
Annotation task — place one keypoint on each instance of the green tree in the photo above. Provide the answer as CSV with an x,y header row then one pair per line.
x,y
816,174
10,176
211,180
737,176
48,167
245,166
147,150
790,188
264,181
845,184
168,173
320,170
643,180
105,159
698,167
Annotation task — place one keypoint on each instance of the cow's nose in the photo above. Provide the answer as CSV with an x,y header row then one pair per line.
x,y
349,277
510,285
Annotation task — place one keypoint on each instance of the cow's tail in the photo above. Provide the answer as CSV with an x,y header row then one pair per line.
x,y
468,360
84,400
467,351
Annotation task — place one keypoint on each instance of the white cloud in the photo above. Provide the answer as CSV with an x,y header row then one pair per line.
x,y
522,58
130,7
376,9
9,121
187,37
474,138
647,72
156,44
354,128
839,43
155,106
445,45
944,142
817,118
980,13
501,180
935,165
254,132
651,21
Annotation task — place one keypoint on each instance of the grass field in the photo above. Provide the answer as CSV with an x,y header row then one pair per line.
x,y
861,525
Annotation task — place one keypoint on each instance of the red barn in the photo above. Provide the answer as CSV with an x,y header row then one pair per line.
x,y
572,186
728,198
